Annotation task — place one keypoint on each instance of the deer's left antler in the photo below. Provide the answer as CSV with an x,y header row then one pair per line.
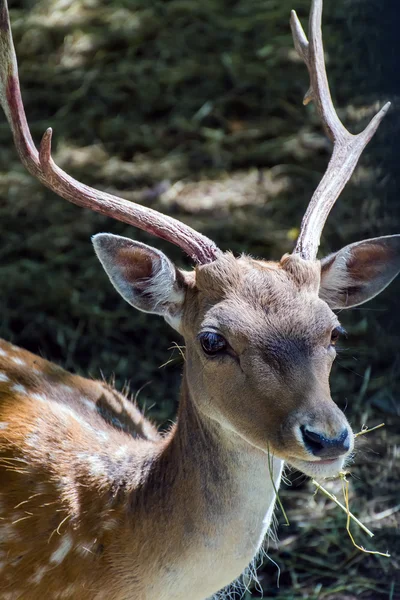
x,y
347,148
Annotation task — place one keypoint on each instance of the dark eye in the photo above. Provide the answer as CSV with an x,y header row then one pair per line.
x,y
336,334
212,343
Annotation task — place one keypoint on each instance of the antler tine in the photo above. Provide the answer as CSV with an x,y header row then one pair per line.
x,y
347,148
40,164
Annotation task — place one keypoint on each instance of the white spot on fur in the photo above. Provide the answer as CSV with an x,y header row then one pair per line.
x,y
109,524
67,592
39,397
18,361
4,377
66,388
38,575
33,440
3,425
121,452
88,403
8,532
96,465
19,389
65,546
3,352
103,435
66,410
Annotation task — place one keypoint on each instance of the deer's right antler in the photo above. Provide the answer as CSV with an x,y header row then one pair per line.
x,y
347,148
40,164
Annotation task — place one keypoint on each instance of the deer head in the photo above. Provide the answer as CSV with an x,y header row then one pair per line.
x,y
260,336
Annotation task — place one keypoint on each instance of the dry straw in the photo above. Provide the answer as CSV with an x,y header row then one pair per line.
x,y
346,508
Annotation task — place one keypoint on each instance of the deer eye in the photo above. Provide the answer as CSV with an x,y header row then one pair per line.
x,y
336,334
212,343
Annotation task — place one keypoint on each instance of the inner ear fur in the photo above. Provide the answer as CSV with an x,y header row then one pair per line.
x,y
143,275
360,271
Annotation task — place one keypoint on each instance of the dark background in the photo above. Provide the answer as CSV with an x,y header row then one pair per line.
x,y
194,108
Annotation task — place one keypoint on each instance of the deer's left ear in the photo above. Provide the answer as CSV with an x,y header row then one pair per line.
x,y
360,271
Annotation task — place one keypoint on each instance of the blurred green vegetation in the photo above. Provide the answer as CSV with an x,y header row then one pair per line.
x,y
195,108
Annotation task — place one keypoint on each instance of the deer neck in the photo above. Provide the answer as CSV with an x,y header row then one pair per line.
x,y
213,503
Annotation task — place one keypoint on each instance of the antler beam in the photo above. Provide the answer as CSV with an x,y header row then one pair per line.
x,y
40,164
347,148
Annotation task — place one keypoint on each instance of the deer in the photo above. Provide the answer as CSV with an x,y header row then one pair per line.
x,y
95,502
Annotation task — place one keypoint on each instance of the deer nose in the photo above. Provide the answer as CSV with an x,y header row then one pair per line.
x,y
325,447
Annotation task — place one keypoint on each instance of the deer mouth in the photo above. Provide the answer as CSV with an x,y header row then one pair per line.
x,y
328,467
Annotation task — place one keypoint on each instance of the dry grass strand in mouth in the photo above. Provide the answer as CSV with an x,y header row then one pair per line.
x,y
340,505
346,507
366,429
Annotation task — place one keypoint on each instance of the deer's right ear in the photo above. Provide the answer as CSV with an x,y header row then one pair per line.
x,y
360,271
143,276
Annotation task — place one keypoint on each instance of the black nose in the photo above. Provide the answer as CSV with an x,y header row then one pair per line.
x,y
324,447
